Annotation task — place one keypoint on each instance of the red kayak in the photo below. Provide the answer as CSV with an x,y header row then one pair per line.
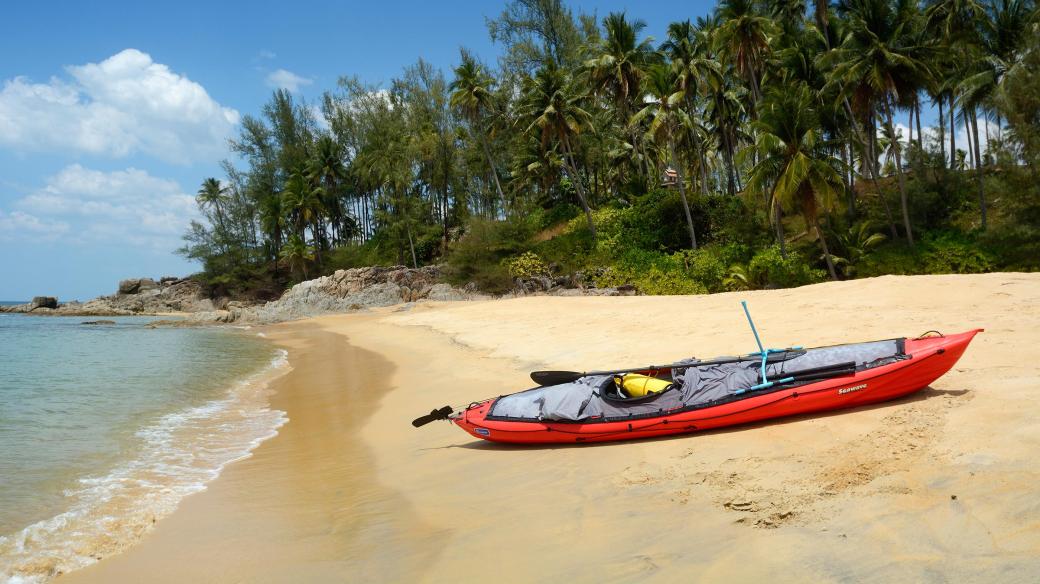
x,y
713,394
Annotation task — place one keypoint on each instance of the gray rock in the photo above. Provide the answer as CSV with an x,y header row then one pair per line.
x,y
98,322
137,285
43,302
346,291
130,286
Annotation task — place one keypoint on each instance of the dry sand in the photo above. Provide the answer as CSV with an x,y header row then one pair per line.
x,y
943,486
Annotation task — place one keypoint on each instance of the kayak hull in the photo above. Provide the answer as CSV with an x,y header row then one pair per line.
x,y
930,358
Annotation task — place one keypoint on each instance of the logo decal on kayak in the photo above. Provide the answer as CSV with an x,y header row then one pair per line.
x,y
852,389
482,431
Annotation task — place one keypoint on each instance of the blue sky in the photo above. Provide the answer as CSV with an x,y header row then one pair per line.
x,y
112,114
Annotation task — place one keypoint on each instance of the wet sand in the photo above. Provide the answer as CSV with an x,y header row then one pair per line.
x,y
941,486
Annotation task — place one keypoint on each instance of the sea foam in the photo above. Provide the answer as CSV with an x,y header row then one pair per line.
x,y
179,454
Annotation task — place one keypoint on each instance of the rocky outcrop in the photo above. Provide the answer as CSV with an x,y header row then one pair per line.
x,y
576,284
341,292
139,286
38,305
43,302
347,291
134,296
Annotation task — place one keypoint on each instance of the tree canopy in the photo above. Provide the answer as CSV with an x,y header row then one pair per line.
x,y
764,137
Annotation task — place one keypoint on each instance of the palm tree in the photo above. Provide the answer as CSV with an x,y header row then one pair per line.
x,y
877,59
302,203
855,244
272,219
297,254
211,194
472,97
744,38
999,51
693,71
664,109
955,22
554,108
326,168
620,64
726,112
794,166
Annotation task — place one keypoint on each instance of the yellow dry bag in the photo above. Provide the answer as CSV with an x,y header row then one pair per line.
x,y
636,385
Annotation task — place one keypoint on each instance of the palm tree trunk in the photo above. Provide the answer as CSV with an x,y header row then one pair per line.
x,y
682,194
985,125
318,237
411,245
704,172
578,187
869,163
491,164
920,135
953,136
731,187
910,128
899,174
942,131
850,207
779,226
826,250
978,167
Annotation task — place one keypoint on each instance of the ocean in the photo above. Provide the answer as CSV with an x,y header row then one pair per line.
x,y
105,428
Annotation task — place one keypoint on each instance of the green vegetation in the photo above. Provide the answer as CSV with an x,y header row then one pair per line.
x,y
758,147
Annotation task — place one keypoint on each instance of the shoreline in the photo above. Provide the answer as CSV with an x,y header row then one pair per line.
x,y
348,491
167,453
305,492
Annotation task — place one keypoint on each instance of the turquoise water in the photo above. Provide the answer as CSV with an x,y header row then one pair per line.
x,y
104,429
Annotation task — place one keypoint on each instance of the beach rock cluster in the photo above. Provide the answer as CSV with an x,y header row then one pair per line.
x,y
43,302
341,292
576,284
134,296
347,291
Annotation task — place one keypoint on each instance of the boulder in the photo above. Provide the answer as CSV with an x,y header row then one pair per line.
x,y
43,302
130,286
137,285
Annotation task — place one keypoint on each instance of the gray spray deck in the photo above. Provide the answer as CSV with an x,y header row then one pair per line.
x,y
583,400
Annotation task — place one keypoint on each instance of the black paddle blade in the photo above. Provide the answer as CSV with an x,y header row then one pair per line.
x,y
555,377
434,415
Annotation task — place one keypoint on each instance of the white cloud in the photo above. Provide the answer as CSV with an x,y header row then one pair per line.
x,y
120,106
266,54
125,207
282,79
319,116
23,226
931,134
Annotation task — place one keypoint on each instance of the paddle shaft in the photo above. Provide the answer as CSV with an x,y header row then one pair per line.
x,y
557,377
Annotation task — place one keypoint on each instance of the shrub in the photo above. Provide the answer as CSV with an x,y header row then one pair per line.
x,y
769,269
651,273
948,255
710,265
892,257
526,265
478,255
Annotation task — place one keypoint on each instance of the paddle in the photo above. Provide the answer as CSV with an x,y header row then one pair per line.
x,y
802,375
439,414
558,377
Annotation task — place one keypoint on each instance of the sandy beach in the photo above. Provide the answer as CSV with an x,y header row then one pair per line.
x,y
942,486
